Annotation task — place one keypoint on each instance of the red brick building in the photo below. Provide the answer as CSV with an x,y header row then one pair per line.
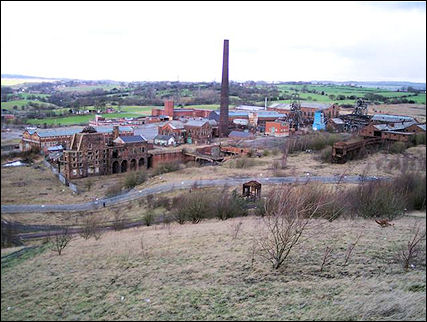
x,y
192,131
174,113
402,131
90,153
43,139
308,109
277,128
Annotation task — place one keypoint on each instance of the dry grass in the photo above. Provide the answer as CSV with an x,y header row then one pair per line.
x,y
202,272
18,183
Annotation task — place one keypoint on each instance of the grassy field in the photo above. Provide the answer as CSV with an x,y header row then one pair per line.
x,y
127,111
206,272
343,90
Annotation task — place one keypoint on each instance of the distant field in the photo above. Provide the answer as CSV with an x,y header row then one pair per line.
x,y
344,90
78,119
16,81
19,103
87,88
129,111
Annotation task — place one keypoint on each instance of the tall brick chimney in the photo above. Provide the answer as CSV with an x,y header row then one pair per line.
x,y
223,111
116,132
169,108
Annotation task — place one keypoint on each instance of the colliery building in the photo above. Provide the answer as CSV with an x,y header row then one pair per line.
x,y
308,109
44,139
91,153
193,131
174,114
402,131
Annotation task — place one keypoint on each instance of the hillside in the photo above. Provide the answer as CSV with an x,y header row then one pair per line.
x,y
209,271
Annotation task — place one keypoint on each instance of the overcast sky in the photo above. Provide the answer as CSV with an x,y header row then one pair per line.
x,y
149,41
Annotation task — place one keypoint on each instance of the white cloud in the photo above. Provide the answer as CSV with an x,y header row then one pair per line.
x,y
165,40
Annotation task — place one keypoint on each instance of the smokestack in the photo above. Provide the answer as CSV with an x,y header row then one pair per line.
x,y
223,111
116,132
265,104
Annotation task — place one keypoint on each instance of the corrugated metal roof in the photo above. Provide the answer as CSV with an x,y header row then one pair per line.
x,y
240,134
287,106
391,118
393,126
249,107
71,131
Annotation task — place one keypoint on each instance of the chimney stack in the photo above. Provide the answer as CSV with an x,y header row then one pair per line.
x,y
116,132
223,111
169,108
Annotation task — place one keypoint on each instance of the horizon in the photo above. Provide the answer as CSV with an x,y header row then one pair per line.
x,y
168,41
18,76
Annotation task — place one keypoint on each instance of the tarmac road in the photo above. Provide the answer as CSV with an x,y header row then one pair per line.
x,y
136,194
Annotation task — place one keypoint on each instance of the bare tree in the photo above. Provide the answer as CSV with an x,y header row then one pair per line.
x,y
285,154
60,240
235,228
326,257
91,226
287,215
350,249
410,251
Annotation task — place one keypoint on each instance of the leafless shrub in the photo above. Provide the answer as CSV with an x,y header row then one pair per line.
x,y
91,227
350,249
119,219
235,228
409,252
60,240
327,257
287,216
144,251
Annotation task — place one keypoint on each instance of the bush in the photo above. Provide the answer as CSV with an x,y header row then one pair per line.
x,y
241,163
397,147
148,218
166,167
325,154
413,186
377,199
419,138
134,178
225,205
194,207
114,190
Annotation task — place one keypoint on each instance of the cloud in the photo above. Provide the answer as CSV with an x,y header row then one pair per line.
x,y
167,40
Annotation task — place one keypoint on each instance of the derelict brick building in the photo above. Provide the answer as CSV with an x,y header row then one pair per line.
x,y
90,154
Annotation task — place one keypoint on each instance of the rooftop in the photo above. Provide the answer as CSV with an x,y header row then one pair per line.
x,y
132,139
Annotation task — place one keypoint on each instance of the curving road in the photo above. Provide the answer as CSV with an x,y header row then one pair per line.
x,y
136,194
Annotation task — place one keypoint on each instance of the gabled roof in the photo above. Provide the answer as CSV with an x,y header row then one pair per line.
x,y
132,139
176,125
196,123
